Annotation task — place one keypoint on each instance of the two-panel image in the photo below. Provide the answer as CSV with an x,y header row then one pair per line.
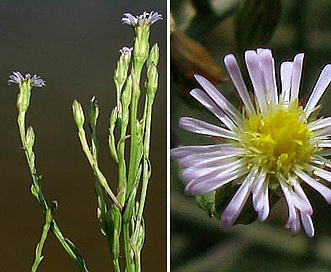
x,y
182,135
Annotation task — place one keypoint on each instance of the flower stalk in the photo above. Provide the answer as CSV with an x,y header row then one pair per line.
x,y
123,220
28,140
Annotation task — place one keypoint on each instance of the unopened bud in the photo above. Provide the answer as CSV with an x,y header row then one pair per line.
x,y
152,80
93,112
30,138
78,114
121,71
154,55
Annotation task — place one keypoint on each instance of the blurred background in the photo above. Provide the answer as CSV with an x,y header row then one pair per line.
x,y
73,45
202,33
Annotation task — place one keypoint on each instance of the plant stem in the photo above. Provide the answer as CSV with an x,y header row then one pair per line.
x,y
94,165
40,197
127,248
146,162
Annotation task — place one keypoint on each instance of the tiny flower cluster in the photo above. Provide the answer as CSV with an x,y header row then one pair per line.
x,y
35,81
126,50
145,19
274,143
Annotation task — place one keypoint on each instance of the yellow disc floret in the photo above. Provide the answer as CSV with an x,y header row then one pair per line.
x,y
277,139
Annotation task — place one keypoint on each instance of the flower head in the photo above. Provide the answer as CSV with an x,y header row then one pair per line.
x,y
126,51
147,18
35,81
274,143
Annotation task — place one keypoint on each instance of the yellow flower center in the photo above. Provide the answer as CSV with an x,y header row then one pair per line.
x,y
277,139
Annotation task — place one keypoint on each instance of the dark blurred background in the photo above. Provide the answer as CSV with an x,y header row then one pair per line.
x,y
73,45
203,32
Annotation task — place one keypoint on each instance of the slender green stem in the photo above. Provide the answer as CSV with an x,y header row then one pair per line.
x,y
122,178
39,195
146,163
74,255
145,178
122,172
135,161
130,266
29,157
105,224
136,135
94,165
43,238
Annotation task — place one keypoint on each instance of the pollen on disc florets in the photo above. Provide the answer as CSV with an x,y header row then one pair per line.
x,y
278,139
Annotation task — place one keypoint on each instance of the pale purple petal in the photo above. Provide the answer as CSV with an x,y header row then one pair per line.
x,y
263,213
322,189
204,128
35,81
302,202
199,174
219,99
154,17
319,89
182,151
260,196
319,124
209,104
286,78
126,51
324,174
238,81
205,167
296,76
144,19
238,201
293,221
295,225
324,152
16,77
211,182
307,224
256,76
268,69
321,161
129,19
324,143
220,155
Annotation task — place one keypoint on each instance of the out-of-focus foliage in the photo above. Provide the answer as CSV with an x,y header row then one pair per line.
x,y
221,27
188,57
255,23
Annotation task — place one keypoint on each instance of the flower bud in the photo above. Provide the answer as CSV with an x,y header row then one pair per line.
x,y
30,138
154,55
78,114
152,80
126,94
121,71
111,137
93,112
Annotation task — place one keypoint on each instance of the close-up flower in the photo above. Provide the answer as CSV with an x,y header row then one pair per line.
x,y
274,144
147,18
35,81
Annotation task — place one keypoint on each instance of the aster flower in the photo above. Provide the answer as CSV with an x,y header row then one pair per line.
x,y
144,19
274,143
126,50
35,81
